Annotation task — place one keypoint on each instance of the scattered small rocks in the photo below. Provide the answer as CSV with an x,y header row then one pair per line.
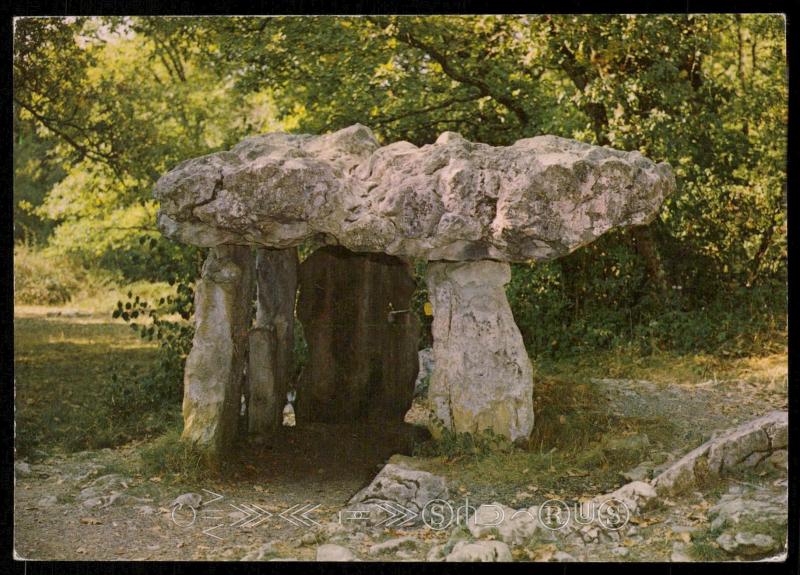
x,y
104,486
511,526
262,553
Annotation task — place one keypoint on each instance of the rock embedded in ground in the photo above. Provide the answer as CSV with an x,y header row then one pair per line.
x,y
394,545
765,506
747,544
562,557
744,446
47,501
332,552
397,496
680,553
641,472
479,552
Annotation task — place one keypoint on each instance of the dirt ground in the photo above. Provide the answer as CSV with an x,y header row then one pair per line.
x,y
283,492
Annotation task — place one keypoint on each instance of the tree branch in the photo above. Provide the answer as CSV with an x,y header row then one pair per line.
x,y
407,37
420,111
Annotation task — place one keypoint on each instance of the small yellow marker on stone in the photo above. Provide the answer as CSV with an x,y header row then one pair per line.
x,y
428,308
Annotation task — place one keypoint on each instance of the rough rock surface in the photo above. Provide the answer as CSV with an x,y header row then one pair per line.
x,y
362,357
479,551
483,377
332,552
511,526
426,366
745,446
397,496
213,374
539,198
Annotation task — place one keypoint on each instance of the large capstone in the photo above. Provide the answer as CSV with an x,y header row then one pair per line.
x,y
482,377
362,337
215,367
456,200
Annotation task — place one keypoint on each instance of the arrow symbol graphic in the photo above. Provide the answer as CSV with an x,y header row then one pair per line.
x,y
217,497
387,507
305,516
398,515
288,515
261,516
247,514
208,531
253,515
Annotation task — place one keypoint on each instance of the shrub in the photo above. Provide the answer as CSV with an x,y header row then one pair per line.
x,y
42,280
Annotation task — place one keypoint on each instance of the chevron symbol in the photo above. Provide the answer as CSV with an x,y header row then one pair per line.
x,y
397,515
297,515
210,529
253,517
217,497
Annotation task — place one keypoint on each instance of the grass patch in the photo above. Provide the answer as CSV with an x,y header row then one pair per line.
x,y
175,460
63,382
661,367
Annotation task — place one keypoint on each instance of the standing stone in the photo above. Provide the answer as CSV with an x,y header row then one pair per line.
x,y
215,366
362,360
482,377
271,351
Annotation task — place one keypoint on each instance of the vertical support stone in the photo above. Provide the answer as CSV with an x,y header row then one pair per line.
x,y
482,377
271,356
362,359
215,366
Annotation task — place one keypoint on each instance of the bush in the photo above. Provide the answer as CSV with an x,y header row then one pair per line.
x,y
40,280
600,298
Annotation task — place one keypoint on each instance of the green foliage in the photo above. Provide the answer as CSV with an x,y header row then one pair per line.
x,y
103,106
162,384
36,171
456,445
418,300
